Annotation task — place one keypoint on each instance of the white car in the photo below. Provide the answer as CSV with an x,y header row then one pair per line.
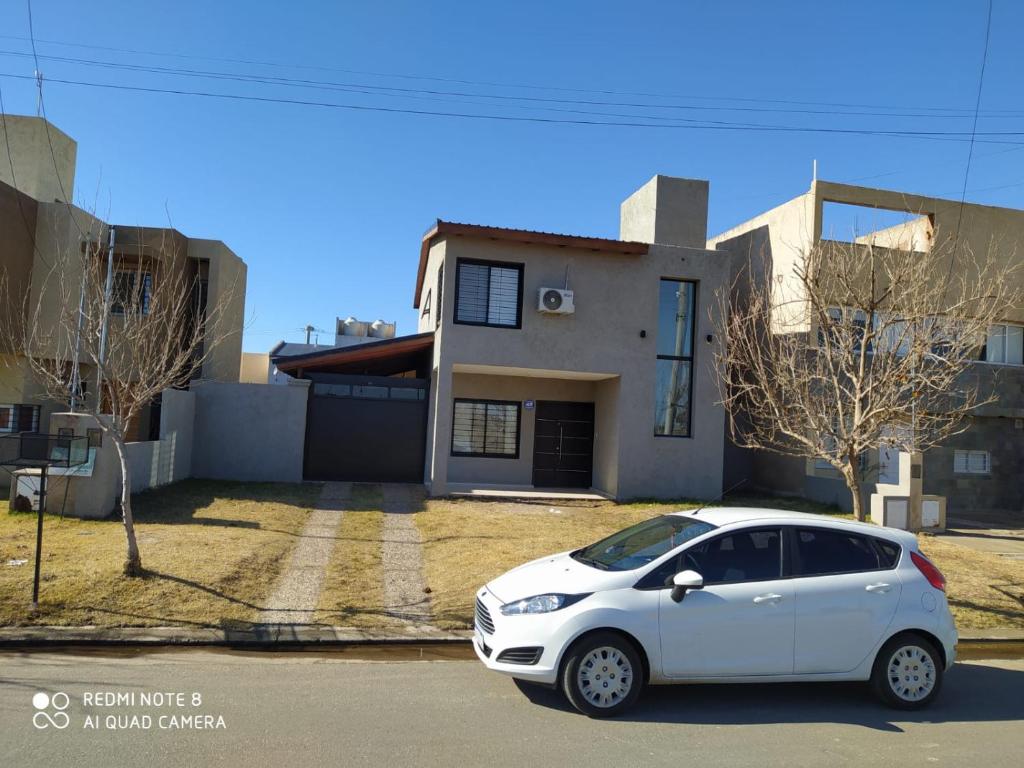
x,y
723,595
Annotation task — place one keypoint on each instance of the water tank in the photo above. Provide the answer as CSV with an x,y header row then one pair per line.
x,y
352,327
381,330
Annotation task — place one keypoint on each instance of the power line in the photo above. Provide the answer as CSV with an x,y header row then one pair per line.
x,y
370,89
494,84
692,125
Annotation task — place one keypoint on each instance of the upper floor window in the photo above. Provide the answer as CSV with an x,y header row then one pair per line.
x,y
674,367
488,293
1005,344
440,304
131,292
972,462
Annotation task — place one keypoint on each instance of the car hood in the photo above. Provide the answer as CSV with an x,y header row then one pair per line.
x,y
556,574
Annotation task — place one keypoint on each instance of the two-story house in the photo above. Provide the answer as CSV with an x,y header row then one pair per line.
x,y
40,226
543,361
979,471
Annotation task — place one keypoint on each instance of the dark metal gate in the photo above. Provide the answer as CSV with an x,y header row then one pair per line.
x,y
563,445
366,428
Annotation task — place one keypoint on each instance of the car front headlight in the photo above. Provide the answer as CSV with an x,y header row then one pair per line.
x,y
540,604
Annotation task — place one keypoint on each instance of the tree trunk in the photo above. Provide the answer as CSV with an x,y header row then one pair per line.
x,y
852,478
133,562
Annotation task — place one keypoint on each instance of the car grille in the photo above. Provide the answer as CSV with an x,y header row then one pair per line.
x,y
483,618
521,655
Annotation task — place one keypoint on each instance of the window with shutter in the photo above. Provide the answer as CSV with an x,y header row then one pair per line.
x,y
488,293
488,428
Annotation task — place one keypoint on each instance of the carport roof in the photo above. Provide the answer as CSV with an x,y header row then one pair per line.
x,y
532,237
342,357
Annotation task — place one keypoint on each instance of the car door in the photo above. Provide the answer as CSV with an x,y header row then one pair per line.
x,y
741,621
846,593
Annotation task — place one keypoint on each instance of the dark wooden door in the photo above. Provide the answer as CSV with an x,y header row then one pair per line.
x,y
563,445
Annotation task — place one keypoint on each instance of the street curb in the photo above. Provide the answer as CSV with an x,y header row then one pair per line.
x,y
255,636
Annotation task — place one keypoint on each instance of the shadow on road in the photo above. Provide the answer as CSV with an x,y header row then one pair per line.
x,y
971,693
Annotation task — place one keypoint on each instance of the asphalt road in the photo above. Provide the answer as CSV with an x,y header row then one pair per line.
x,y
313,709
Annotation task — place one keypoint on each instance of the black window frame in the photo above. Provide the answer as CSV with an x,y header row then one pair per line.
x,y
796,566
519,267
121,302
485,454
691,358
649,582
440,303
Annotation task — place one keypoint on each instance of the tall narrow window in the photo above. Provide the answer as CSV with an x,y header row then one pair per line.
x,y
440,304
130,293
673,396
488,293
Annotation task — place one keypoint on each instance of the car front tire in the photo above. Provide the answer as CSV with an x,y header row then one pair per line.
x,y
908,672
602,675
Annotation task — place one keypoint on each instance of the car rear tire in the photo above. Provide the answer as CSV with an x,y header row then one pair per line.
x,y
908,672
602,675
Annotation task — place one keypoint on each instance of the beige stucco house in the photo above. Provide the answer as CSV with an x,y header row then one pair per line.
x,y
978,472
542,362
39,221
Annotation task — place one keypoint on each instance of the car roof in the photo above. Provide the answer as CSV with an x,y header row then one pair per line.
x,y
722,516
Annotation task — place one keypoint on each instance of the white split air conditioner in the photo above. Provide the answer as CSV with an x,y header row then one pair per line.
x,y
555,301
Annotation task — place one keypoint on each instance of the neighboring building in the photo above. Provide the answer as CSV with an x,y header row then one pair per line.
x,y
543,361
979,471
38,222
258,367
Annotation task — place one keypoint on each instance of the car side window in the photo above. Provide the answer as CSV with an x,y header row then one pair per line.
x,y
754,555
888,552
822,551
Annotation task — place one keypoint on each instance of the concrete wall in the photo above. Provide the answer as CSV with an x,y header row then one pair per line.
x,y
169,459
40,174
667,210
225,304
249,431
255,368
616,298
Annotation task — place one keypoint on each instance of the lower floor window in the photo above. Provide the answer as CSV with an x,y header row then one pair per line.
x,y
672,397
485,428
19,418
972,462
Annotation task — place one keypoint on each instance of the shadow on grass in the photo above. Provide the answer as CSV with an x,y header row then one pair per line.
x,y
971,693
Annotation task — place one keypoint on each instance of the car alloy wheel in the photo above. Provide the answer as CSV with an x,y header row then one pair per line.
x,y
911,673
605,677
908,672
602,674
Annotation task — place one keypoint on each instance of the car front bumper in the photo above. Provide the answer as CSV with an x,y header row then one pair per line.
x,y
493,634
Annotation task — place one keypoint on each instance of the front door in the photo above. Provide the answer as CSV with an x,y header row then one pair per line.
x,y
563,445
741,622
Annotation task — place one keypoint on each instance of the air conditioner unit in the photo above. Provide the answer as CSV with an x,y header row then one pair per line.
x,y
555,301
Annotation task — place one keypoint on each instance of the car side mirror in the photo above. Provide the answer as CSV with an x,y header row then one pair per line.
x,y
683,582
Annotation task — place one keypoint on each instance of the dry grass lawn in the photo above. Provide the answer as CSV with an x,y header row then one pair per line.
x,y
469,542
213,550
984,589
353,589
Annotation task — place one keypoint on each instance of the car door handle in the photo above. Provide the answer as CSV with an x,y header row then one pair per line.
x,y
881,587
769,598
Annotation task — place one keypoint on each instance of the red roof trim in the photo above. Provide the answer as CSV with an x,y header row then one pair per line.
x,y
531,237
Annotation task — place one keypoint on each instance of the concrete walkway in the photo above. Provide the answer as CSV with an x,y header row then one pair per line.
x,y
1005,542
402,556
297,590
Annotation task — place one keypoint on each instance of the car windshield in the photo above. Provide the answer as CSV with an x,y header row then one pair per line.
x,y
639,544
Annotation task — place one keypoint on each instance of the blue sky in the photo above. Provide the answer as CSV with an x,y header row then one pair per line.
x,y
328,205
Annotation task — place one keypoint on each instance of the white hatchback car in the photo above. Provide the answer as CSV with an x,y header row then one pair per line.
x,y
723,595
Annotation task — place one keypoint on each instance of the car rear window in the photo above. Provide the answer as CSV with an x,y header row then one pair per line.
x,y
822,551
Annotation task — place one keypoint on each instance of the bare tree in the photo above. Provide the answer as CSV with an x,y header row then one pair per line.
x,y
108,332
860,345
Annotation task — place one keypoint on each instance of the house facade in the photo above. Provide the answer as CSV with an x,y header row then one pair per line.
x,y
979,471
40,224
543,361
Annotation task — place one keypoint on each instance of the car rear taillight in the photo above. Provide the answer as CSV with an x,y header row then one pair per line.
x,y
929,571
